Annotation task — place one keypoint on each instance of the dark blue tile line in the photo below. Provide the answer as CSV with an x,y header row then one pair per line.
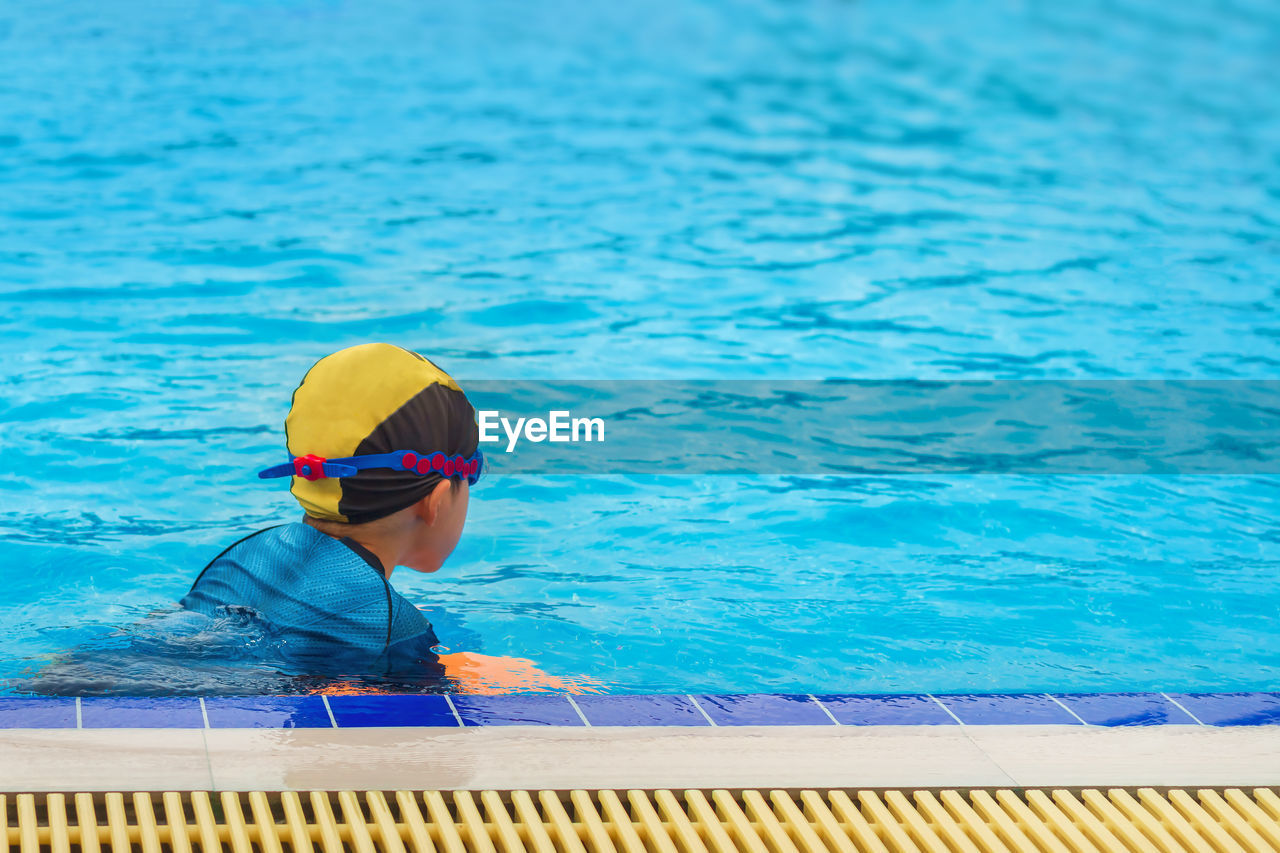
x,y
50,713
1230,709
700,711
764,709
1008,709
517,710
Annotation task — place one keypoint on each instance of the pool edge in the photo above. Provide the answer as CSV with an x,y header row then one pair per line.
x,y
541,757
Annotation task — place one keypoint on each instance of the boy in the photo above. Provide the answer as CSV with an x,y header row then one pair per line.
x,y
384,449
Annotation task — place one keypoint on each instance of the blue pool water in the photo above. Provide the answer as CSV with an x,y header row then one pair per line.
x,y
202,199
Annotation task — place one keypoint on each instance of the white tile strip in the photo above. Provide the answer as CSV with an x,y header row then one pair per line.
x,y
454,709
945,708
824,708
704,714
79,715
204,713
565,758
1065,708
332,720
1180,706
581,715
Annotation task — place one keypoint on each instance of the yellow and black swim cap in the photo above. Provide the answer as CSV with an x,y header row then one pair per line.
x,y
375,399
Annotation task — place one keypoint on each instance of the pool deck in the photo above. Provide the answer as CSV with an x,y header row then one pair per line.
x,y
609,757
305,743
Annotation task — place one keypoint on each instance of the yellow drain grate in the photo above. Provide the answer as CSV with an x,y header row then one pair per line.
x,y
978,821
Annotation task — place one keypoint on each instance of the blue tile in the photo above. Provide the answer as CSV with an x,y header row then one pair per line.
x,y
887,710
532,710
267,712
764,709
1232,709
1008,709
141,713
640,711
392,710
43,713
1124,709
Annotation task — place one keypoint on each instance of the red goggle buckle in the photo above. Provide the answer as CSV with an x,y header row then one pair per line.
x,y
309,467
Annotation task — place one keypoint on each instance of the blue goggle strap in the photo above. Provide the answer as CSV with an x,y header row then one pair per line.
x,y
311,467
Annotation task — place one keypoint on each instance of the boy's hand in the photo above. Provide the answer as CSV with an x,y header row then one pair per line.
x,y
487,675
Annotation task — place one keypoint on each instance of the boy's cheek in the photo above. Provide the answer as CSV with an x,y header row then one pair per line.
x,y
426,558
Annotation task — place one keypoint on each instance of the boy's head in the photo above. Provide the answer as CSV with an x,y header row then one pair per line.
x,y
379,399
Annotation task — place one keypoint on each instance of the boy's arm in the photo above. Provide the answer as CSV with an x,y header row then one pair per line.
x,y
487,674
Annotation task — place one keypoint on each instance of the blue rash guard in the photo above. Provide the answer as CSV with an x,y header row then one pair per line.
x,y
325,601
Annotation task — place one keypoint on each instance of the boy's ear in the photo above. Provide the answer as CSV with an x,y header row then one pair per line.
x,y
428,509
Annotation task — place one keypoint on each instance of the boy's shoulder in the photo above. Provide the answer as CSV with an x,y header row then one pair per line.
x,y
291,562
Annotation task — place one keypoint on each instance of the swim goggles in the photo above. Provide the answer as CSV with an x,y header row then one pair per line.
x,y
312,467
